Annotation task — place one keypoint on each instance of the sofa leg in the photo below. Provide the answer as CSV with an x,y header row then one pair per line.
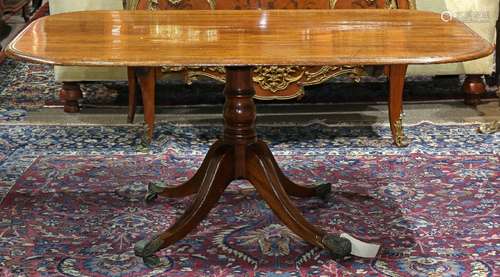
x,y
69,95
473,87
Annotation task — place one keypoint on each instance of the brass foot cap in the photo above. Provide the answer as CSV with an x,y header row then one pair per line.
x,y
146,249
338,247
154,189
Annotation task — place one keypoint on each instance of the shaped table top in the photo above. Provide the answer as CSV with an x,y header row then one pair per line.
x,y
247,37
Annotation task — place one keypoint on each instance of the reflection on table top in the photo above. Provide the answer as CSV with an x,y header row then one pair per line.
x,y
250,37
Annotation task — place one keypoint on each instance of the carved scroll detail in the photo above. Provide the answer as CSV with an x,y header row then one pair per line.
x,y
327,72
217,73
275,78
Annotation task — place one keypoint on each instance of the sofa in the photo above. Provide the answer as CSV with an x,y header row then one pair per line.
x,y
480,15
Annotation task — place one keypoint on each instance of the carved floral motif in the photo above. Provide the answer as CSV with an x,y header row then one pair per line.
x,y
327,72
276,78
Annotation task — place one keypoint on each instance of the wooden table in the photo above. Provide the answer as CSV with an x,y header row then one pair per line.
x,y
239,40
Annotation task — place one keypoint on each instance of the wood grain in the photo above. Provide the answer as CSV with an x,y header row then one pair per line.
x,y
247,37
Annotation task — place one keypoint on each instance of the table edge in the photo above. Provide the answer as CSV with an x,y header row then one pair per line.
x,y
489,49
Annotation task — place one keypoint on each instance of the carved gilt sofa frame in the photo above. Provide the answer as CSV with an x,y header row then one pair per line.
x,y
273,82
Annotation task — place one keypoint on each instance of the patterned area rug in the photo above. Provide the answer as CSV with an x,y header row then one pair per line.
x,y
72,202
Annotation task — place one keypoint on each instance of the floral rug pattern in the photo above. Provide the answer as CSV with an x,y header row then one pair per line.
x,y
72,202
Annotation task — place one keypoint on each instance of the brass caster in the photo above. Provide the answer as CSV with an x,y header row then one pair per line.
x,y
338,247
154,189
402,142
322,191
151,261
489,128
146,249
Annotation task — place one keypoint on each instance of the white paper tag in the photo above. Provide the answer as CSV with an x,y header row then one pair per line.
x,y
360,248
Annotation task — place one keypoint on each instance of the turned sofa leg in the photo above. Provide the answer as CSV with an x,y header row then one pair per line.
x,y
473,87
69,95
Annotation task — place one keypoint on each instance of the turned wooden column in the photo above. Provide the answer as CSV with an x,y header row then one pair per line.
x,y
69,95
239,114
473,87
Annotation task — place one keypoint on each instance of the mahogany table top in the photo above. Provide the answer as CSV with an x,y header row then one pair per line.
x,y
247,37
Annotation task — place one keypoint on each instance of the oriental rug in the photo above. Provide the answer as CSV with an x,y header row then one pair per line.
x,y
71,202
